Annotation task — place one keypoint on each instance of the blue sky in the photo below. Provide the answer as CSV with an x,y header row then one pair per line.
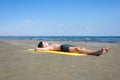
x,y
59,17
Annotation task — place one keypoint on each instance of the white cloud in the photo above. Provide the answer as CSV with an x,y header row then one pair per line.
x,y
61,24
65,25
29,22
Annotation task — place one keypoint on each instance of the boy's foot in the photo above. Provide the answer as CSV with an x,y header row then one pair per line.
x,y
101,51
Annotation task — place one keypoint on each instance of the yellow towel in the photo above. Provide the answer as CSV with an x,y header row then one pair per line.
x,y
59,52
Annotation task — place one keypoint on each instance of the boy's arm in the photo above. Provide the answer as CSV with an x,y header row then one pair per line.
x,y
43,49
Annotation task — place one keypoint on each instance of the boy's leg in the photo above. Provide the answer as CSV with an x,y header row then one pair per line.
x,y
81,50
88,51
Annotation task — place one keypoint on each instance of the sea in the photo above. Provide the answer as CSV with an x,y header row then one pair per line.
x,y
102,39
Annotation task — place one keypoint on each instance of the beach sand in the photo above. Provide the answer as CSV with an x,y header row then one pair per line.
x,y
18,63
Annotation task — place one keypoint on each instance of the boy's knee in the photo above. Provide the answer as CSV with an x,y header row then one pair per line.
x,y
77,48
82,48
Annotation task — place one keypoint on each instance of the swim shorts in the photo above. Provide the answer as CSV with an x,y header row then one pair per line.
x,y
65,47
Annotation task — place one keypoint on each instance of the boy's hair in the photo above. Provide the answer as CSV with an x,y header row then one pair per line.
x,y
40,45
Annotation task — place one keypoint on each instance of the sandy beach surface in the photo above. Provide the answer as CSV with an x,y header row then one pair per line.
x,y
18,63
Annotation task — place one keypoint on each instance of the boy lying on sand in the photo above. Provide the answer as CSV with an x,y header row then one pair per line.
x,y
70,48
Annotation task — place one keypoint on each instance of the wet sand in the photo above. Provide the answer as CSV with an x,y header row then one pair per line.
x,y
18,63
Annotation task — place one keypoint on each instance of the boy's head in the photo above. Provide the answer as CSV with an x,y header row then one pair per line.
x,y
43,44
40,45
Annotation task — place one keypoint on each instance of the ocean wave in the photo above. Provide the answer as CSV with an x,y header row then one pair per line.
x,y
103,39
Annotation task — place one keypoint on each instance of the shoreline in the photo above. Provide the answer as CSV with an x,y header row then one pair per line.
x,y
102,39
